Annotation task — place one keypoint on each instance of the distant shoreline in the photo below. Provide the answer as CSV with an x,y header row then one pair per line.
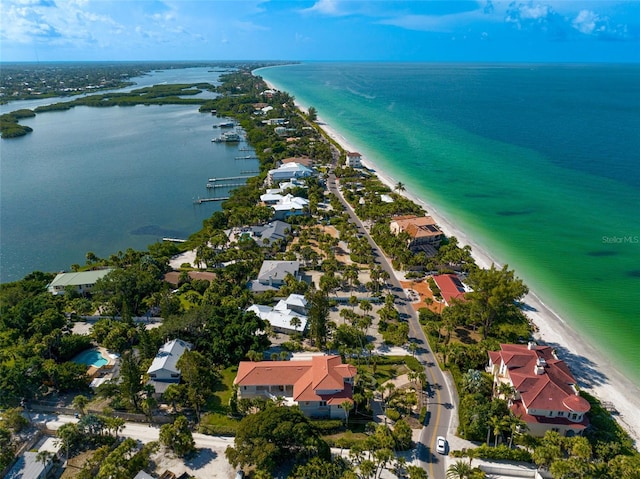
x,y
593,370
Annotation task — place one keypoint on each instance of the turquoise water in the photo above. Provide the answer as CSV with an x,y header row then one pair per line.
x,y
540,164
91,357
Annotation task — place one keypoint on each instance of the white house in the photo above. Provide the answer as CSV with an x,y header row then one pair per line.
x,y
287,172
164,370
354,159
289,205
82,281
281,316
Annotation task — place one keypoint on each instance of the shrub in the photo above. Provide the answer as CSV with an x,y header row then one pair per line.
x,y
503,452
423,414
327,426
393,414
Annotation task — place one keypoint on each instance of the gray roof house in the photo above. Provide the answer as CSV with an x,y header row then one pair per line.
x,y
269,233
164,370
29,467
273,273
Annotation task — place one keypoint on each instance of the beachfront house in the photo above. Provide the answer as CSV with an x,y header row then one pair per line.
x,y
164,368
450,287
354,159
544,392
287,316
273,273
424,234
80,281
318,386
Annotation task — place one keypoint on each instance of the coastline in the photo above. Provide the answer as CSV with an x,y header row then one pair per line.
x,y
595,373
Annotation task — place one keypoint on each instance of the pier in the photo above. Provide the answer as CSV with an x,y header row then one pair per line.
x,y
199,201
174,240
225,185
213,180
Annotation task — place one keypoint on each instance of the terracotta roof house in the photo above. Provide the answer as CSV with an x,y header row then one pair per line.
x,y
303,160
318,385
173,277
546,395
423,231
450,287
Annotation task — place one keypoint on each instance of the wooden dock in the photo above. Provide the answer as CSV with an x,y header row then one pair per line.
x,y
199,201
225,185
213,180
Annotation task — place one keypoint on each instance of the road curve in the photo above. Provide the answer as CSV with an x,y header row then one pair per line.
x,y
441,402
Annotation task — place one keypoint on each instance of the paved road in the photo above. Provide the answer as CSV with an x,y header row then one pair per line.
x,y
144,432
441,404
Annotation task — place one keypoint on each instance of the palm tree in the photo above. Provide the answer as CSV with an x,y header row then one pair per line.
x,y
80,403
296,323
347,406
399,187
459,470
506,390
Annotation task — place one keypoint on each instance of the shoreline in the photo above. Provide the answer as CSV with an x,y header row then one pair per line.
x,y
590,366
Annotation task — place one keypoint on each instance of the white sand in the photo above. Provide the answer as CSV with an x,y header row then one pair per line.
x,y
591,367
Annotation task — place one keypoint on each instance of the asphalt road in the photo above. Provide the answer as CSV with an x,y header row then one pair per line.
x,y
441,402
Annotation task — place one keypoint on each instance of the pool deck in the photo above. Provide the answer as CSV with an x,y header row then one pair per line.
x,y
94,371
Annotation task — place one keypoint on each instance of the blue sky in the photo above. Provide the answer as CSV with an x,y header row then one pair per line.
x,y
427,30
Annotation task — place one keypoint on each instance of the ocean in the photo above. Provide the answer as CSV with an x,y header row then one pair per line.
x,y
539,164
107,179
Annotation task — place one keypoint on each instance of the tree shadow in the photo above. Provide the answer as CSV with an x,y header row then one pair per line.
x,y
201,459
583,369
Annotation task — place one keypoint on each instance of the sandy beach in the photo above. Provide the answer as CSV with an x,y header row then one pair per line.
x,y
591,367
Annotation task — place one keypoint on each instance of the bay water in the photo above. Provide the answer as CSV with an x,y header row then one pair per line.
x,y
107,179
539,164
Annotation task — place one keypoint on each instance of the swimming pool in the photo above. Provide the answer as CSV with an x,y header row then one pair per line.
x,y
91,357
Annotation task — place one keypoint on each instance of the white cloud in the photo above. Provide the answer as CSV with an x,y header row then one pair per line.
x,y
585,22
326,7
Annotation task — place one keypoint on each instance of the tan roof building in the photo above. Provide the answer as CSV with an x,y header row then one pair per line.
x,y
422,230
318,385
546,395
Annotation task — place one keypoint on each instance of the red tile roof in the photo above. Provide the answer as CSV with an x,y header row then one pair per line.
x,y
450,287
308,377
417,226
552,388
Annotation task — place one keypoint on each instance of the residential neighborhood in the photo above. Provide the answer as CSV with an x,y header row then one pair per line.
x,y
320,324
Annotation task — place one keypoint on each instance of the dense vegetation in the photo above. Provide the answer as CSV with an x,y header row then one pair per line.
x,y
37,342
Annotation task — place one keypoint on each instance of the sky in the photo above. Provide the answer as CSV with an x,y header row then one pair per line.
x,y
320,30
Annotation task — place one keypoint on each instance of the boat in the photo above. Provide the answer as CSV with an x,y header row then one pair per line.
x,y
227,137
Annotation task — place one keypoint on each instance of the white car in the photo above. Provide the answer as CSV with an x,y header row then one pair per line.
x,y
441,445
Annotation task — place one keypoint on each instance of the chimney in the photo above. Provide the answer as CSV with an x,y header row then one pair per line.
x,y
540,364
